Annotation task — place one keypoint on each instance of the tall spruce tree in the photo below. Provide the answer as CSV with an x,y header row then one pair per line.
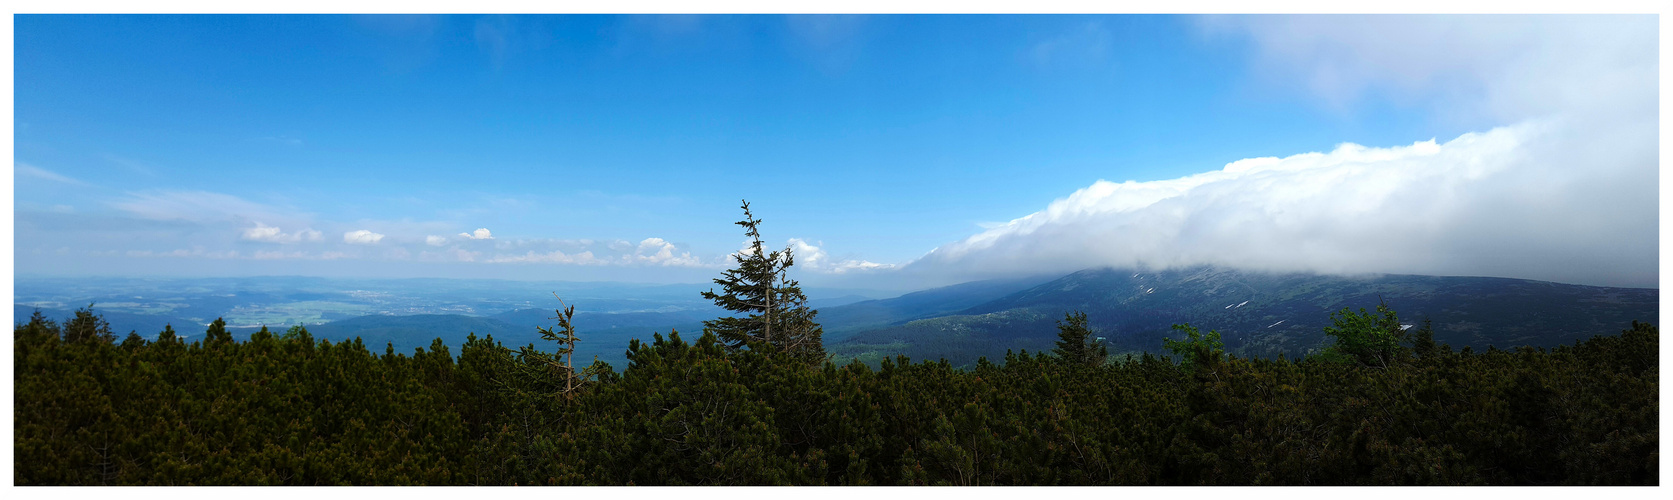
x,y
1075,343
775,311
87,326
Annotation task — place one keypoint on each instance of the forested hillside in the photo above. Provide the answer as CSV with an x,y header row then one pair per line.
x,y
1261,314
91,408
845,320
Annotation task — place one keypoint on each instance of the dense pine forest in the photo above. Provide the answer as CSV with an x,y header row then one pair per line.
x,y
284,409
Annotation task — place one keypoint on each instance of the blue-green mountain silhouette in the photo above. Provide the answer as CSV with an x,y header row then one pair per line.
x,y
1259,314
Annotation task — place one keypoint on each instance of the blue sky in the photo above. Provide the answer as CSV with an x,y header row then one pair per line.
x,y
617,147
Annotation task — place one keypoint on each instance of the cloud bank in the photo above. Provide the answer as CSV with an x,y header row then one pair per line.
x,y
1514,201
1563,189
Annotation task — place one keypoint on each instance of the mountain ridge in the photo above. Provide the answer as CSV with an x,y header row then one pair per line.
x,y
1261,314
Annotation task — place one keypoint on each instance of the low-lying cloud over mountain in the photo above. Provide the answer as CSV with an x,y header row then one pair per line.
x,y
1564,189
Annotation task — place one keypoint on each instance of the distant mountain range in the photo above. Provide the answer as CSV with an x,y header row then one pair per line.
x,y
1259,314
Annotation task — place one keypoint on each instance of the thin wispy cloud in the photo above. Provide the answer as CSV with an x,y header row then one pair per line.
x,y
552,257
1089,43
26,170
283,140
194,252
278,255
202,206
831,43
493,34
1508,68
130,164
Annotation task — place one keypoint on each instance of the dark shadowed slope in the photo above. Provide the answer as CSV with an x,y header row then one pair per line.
x,y
842,321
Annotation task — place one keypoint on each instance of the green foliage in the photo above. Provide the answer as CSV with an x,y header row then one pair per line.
x,y
560,363
1366,338
776,313
87,327
1075,343
287,410
296,333
1424,344
1197,350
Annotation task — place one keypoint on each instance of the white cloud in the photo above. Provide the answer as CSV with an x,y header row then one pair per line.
x,y
1500,203
21,169
479,234
435,241
361,237
270,234
813,258
658,252
1560,185
654,245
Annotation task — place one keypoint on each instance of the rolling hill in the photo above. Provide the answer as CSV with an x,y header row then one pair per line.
x,y
121,323
842,321
1259,314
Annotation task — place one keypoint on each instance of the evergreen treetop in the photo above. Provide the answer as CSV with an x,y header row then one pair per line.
x,y
1075,343
775,311
87,327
